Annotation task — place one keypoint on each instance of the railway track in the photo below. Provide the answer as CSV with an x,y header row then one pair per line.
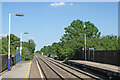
x,y
47,71
80,71
61,71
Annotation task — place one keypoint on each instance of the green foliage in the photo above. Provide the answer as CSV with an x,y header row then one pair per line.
x,y
72,41
39,52
0,46
77,28
14,42
119,43
26,55
28,47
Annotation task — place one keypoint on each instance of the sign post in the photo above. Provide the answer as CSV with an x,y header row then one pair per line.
x,y
83,53
42,53
89,54
17,54
21,52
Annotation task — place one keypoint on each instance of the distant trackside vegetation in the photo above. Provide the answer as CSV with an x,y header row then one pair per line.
x,y
72,41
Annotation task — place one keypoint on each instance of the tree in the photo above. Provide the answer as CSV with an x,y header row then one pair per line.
x,y
119,43
72,41
77,28
26,54
0,46
28,47
14,42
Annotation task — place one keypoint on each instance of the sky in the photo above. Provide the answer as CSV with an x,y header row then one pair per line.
x,y
45,21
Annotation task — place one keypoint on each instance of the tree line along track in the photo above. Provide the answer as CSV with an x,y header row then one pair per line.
x,y
65,71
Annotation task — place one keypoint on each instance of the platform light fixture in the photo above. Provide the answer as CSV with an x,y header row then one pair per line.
x,y
21,44
9,38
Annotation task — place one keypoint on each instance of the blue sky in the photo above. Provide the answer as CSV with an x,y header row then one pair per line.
x,y
45,21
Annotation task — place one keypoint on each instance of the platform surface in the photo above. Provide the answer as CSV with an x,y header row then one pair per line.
x,y
34,73
99,65
20,70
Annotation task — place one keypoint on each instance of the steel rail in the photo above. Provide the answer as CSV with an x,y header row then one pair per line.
x,y
45,77
70,68
69,72
51,69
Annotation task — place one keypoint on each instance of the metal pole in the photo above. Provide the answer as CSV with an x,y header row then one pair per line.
x,y
89,55
9,43
93,54
21,47
85,47
16,55
83,53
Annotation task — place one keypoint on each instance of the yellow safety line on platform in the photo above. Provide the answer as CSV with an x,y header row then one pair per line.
x,y
28,71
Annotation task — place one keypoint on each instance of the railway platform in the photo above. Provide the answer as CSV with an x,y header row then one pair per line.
x,y
20,71
107,69
23,70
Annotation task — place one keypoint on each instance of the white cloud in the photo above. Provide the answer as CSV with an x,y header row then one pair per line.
x,y
3,35
61,4
71,4
57,4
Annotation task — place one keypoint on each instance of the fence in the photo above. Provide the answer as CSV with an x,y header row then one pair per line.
x,y
104,56
4,61
108,56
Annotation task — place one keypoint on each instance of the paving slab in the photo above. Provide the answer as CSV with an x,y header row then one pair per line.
x,y
20,70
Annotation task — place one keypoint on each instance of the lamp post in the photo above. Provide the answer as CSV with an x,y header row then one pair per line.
x,y
85,40
21,44
9,38
85,44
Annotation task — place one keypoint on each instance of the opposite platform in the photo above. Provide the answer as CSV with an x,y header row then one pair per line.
x,y
110,70
100,65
